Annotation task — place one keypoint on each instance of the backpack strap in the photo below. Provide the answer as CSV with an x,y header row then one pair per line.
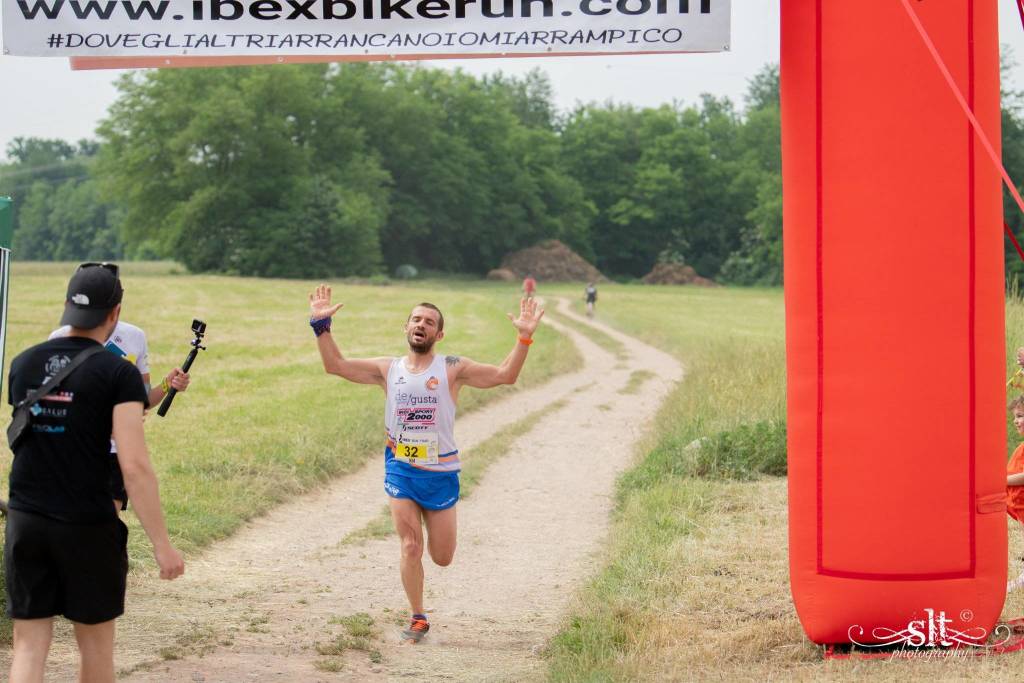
x,y
47,388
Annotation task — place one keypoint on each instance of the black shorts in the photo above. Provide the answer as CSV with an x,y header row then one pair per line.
x,y
55,568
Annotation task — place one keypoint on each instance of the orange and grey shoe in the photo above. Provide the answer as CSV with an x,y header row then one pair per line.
x,y
417,629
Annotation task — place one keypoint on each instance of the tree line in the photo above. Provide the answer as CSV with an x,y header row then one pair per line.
x,y
355,169
317,170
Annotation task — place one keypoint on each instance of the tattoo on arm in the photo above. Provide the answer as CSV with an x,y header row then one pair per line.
x,y
451,361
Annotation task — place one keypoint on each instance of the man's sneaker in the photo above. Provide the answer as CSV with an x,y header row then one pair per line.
x,y
417,629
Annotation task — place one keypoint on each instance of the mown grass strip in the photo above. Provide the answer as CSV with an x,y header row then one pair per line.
x,y
636,381
602,339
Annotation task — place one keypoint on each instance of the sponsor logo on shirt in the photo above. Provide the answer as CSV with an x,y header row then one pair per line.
x,y
55,364
38,410
400,380
410,416
48,429
60,397
432,383
405,398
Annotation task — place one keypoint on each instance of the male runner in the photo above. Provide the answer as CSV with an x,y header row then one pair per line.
x,y
65,548
590,293
421,460
129,342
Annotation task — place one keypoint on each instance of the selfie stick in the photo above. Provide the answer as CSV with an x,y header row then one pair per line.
x,y
198,329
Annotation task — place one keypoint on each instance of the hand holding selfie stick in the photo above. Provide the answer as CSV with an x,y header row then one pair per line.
x,y
198,329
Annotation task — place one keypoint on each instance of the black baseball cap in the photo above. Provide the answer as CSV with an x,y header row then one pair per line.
x,y
93,291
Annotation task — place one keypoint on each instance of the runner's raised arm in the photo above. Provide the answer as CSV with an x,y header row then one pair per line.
x,y
360,371
484,376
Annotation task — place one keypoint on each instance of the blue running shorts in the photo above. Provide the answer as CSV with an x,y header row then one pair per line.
x,y
437,492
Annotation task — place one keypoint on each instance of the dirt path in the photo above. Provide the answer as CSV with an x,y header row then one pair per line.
x,y
251,608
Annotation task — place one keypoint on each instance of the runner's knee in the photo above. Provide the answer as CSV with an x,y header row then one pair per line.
x,y
442,559
441,553
412,548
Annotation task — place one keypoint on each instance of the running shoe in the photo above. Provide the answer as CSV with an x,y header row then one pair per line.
x,y
417,629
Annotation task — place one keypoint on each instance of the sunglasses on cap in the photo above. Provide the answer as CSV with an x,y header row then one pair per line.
x,y
112,267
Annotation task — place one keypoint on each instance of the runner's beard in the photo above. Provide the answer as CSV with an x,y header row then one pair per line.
x,y
420,347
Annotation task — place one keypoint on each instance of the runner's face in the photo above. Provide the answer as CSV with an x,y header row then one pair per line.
x,y
421,330
1018,419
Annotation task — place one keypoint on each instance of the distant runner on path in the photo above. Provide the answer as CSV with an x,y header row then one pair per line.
x,y
421,460
591,296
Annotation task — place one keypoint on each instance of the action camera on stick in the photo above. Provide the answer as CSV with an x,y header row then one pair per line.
x,y
198,329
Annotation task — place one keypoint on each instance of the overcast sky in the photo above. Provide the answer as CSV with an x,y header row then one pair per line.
x,y
42,97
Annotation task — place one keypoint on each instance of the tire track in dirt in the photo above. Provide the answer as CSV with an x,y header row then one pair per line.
x,y
253,606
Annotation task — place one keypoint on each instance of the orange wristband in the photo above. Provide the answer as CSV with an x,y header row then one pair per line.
x,y
524,340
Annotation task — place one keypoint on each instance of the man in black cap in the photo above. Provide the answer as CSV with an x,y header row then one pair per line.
x,y
65,550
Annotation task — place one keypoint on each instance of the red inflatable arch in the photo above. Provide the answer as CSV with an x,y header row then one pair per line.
x,y
894,309
894,305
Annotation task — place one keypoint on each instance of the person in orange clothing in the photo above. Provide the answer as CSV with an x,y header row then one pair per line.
x,y
1015,480
529,287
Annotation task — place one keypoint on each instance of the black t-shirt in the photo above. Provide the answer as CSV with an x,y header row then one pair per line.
x,y
62,466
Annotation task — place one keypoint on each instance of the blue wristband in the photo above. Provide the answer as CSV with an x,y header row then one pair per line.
x,y
320,325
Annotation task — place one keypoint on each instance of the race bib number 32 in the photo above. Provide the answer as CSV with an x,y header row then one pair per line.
x,y
420,449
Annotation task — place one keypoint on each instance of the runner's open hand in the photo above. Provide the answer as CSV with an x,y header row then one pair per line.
x,y
1020,357
320,303
529,317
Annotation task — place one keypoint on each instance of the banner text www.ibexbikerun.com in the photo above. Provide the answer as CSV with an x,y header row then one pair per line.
x,y
265,41
318,10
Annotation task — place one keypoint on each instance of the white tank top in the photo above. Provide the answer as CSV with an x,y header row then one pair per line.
x,y
419,418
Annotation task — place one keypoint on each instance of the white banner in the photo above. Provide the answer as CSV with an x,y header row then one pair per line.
x,y
361,28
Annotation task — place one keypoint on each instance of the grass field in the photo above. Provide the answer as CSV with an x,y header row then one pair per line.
x,y
262,421
695,584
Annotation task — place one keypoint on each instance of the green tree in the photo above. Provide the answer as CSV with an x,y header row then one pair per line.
x,y
475,165
60,215
601,146
247,171
757,260
662,180
340,169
